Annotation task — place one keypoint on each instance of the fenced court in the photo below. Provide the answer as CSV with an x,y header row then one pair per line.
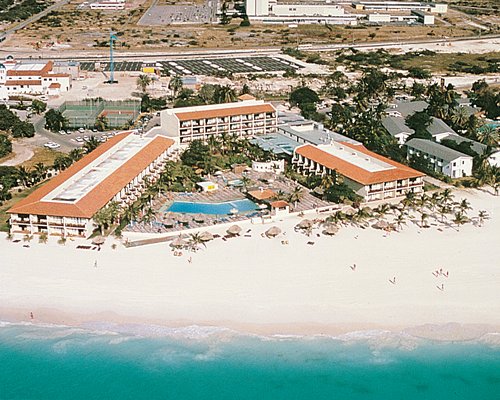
x,y
84,113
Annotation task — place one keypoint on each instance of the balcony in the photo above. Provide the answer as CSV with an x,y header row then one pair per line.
x,y
20,220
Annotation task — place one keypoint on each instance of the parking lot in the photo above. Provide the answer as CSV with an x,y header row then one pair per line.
x,y
159,14
207,67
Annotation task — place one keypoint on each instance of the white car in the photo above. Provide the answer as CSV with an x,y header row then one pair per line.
x,y
62,133
81,130
52,145
79,139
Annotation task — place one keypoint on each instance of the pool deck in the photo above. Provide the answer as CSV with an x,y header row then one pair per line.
x,y
223,194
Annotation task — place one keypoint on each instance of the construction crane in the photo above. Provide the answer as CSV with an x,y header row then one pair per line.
x,y
112,39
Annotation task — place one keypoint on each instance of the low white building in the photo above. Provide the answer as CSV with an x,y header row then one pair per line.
x,y
277,167
33,79
447,161
108,5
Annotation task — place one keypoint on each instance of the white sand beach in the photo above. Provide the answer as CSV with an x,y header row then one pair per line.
x,y
260,285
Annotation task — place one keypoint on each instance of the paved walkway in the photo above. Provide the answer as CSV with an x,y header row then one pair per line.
x,y
22,153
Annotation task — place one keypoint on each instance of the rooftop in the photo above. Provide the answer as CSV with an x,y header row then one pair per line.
x,y
438,127
312,132
406,108
435,149
221,110
357,163
396,125
263,194
478,147
89,184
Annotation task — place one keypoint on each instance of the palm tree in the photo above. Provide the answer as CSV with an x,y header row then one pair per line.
x,y
43,237
444,209
143,81
423,219
401,219
493,179
382,209
464,206
23,176
91,144
447,196
175,85
75,154
195,241
40,171
482,215
62,240
327,181
460,118
131,213
296,195
103,219
488,135
149,215
245,180
460,219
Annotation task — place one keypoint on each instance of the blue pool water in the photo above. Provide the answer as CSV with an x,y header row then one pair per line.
x,y
55,363
189,207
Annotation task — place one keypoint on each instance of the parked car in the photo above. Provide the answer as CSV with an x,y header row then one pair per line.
x,y
52,145
79,139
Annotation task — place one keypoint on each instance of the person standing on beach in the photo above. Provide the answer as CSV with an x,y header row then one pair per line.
x,y
95,264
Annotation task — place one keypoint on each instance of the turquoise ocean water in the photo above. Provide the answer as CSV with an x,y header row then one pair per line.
x,y
51,362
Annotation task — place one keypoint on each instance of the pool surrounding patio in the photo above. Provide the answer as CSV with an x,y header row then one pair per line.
x,y
189,207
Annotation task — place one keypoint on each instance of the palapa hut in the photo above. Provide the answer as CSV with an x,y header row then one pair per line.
x,y
330,229
381,225
234,230
178,243
183,219
199,218
273,231
304,224
98,240
168,222
206,236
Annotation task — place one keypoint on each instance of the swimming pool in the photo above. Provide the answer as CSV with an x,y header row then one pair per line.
x,y
189,207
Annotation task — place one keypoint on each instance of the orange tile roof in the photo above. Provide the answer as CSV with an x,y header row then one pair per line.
x,y
354,172
279,204
246,96
30,82
262,194
53,75
54,85
99,196
39,72
225,112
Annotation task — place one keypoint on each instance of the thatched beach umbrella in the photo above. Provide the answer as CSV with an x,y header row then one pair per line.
x,y
206,236
349,211
183,219
381,224
234,230
199,218
178,242
273,231
98,240
304,224
169,222
330,230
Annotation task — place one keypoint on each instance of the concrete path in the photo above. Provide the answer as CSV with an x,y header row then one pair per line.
x,y
22,153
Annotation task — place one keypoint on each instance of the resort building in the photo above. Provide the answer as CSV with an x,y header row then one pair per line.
x,y
242,119
438,8
478,148
114,172
368,174
33,79
404,109
444,160
274,166
108,5
397,128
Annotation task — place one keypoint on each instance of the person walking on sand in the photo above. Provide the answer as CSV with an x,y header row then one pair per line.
x,y
95,264
31,315
190,260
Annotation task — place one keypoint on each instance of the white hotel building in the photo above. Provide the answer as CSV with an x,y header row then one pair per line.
x,y
368,174
242,119
115,171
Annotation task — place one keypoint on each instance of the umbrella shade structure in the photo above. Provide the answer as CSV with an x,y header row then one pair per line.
x,y
273,231
169,222
381,225
98,240
234,230
206,236
330,230
178,243
304,224
199,218
183,219
349,211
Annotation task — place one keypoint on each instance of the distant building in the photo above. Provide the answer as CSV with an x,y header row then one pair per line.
x,y
115,171
242,119
424,17
368,174
108,5
406,108
447,161
276,167
439,129
438,8
32,79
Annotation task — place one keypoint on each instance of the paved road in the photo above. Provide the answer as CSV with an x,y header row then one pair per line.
x,y
34,18
103,55
43,135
